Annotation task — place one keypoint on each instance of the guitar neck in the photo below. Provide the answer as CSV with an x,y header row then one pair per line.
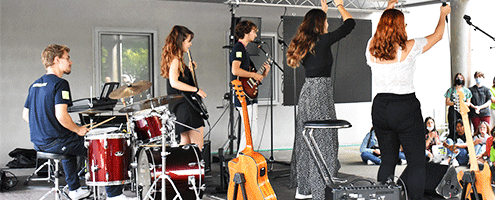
x,y
470,144
247,127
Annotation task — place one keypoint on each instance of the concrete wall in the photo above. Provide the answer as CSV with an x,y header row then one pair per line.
x,y
27,27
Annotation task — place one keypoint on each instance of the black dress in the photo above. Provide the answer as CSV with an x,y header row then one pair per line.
x,y
184,112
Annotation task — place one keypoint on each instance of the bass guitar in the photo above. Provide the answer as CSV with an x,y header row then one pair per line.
x,y
194,99
250,163
250,85
482,179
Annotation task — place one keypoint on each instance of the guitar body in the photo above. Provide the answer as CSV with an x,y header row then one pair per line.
x,y
250,87
482,181
255,172
197,103
250,163
482,184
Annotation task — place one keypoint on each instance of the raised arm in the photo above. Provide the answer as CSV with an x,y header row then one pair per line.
x,y
438,34
342,10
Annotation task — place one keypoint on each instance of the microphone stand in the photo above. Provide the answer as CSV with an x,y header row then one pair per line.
x,y
468,21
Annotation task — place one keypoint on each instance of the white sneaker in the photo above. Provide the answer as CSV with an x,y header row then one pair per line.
x,y
122,197
444,162
403,162
79,193
455,163
302,196
370,162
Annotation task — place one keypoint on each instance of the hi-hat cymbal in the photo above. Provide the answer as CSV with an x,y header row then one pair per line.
x,y
151,103
130,90
92,111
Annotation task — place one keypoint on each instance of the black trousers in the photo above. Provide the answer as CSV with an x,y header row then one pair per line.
x,y
452,122
397,120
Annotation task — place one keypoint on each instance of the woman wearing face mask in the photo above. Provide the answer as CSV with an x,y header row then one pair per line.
x,y
492,107
481,101
431,136
449,101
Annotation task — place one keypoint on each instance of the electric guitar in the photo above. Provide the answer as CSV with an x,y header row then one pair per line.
x,y
252,164
482,178
250,85
192,98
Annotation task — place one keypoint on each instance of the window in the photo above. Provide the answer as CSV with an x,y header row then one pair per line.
x,y
125,56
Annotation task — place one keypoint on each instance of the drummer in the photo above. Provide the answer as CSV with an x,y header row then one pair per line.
x,y
180,78
51,127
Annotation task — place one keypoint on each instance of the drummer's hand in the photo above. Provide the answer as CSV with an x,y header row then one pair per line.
x,y
81,131
201,93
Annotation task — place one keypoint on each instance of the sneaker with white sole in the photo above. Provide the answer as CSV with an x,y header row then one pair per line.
x,y
302,196
370,162
79,193
122,197
455,163
403,162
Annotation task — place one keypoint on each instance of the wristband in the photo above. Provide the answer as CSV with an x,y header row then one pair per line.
x,y
197,90
339,5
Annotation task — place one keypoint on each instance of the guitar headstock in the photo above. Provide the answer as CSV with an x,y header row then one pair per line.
x,y
462,107
239,91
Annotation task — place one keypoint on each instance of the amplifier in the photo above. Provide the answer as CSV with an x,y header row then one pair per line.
x,y
368,192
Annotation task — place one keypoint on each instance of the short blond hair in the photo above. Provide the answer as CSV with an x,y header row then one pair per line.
x,y
51,52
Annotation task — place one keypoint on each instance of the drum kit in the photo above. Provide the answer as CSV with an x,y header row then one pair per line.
x,y
140,155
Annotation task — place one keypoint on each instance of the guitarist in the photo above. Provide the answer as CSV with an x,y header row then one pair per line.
x,y
180,78
242,66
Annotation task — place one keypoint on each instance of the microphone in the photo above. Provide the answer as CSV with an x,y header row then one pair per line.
x,y
259,42
468,19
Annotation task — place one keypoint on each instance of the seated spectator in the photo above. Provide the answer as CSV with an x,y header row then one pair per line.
x,y
370,152
457,152
432,138
480,137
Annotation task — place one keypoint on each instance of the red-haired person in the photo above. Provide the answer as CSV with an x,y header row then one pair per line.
x,y
396,112
311,48
180,78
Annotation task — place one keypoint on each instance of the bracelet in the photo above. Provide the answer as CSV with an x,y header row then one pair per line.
x,y
339,5
197,90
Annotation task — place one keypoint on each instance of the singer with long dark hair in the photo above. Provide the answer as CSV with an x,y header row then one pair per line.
x,y
396,112
311,48
180,78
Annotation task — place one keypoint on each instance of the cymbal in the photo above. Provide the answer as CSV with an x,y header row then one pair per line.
x,y
130,90
92,111
151,103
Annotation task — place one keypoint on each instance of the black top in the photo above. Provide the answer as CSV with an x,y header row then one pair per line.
x,y
480,96
319,63
186,78
239,53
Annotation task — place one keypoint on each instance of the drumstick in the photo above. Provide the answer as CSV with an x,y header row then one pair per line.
x,y
102,122
89,124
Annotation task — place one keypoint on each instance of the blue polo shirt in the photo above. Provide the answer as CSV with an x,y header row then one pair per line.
x,y
44,94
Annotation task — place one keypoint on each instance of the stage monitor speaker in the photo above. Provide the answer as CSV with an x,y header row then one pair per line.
x,y
441,180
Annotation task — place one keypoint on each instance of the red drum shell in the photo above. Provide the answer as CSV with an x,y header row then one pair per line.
x,y
182,162
147,127
109,154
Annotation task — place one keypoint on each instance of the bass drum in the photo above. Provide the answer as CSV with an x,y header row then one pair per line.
x,y
183,163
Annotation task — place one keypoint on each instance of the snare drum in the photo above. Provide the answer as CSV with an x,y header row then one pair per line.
x,y
147,125
183,162
109,156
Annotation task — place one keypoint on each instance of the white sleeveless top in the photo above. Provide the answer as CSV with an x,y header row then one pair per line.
x,y
395,78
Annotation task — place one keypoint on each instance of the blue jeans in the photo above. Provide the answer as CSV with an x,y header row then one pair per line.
x,y
365,156
74,146
461,156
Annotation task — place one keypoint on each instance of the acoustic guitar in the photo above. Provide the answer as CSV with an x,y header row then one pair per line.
x,y
482,178
250,85
250,163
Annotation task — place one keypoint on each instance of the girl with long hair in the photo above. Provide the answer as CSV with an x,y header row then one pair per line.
x,y
396,112
311,48
452,114
180,79
432,137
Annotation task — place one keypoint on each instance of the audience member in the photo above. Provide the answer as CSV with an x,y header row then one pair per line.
x,y
370,152
449,101
481,101
480,138
432,137
492,107
457,152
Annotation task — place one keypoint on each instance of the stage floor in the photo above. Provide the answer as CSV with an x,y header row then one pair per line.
x,y
352,168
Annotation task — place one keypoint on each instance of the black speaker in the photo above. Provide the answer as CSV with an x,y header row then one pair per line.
x,y
207,155
442,180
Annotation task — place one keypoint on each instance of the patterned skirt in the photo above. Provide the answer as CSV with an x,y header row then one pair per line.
x,y
315,103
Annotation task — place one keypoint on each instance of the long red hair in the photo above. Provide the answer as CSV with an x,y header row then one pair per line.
x,y
306,37
173,49
390,32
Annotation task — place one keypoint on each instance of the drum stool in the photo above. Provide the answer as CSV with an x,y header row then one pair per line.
x,y
55,158
313,146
